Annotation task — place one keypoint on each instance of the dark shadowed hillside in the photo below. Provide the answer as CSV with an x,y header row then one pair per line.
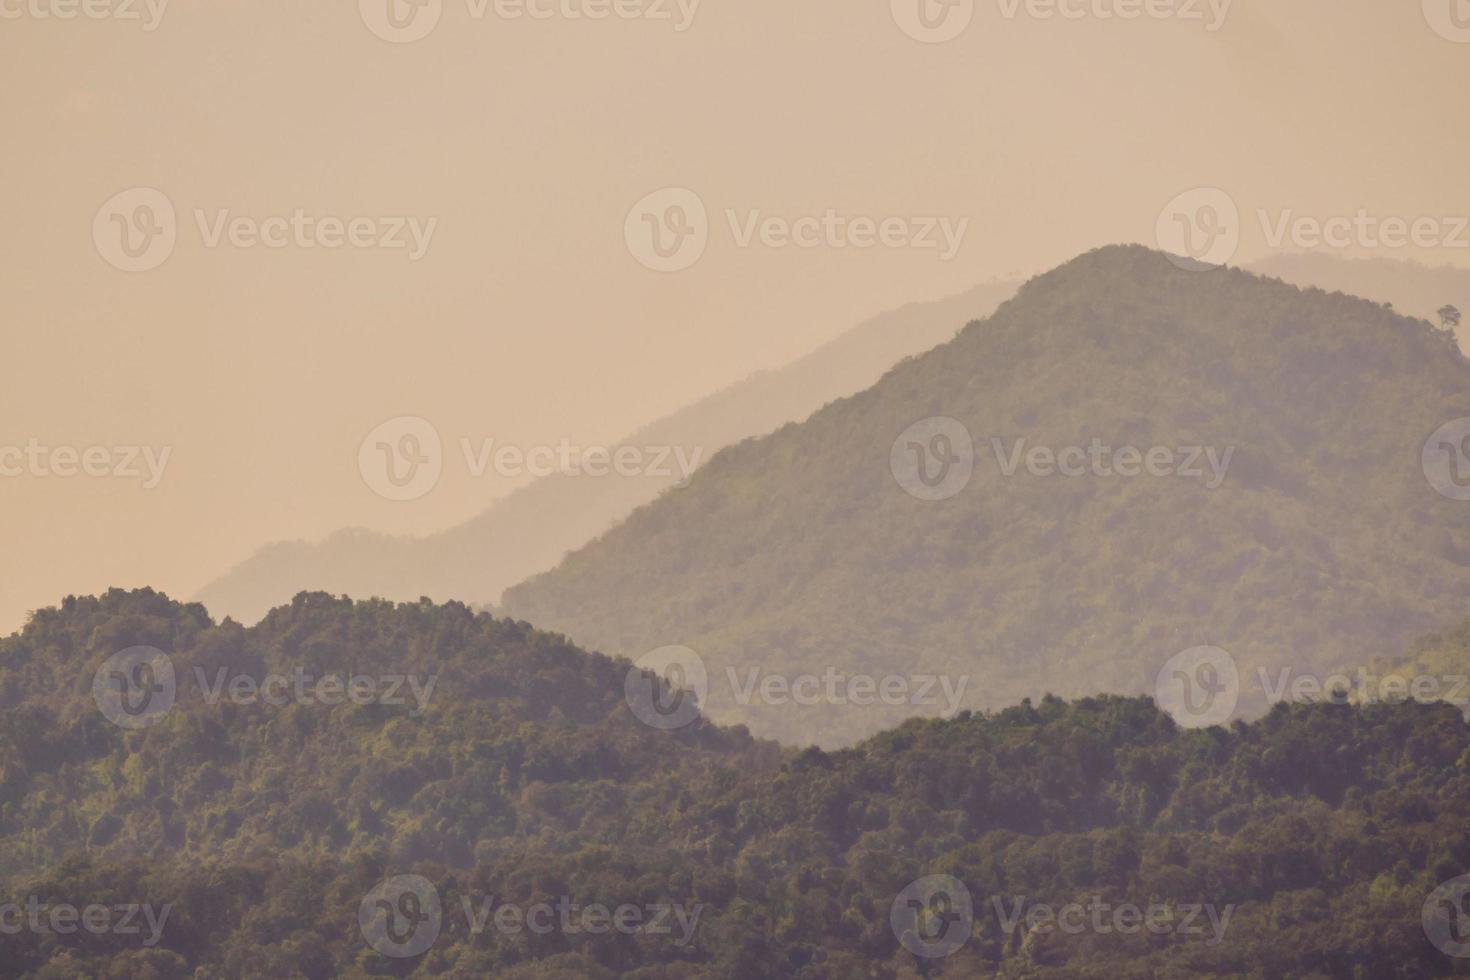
x,y
284,838
530,530
1288,520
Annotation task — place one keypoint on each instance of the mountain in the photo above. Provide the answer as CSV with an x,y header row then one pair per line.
x,y
1413,288
1305,533
532,528
521,822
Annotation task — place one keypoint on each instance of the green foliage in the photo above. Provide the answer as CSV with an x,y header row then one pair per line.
x,y
1325,826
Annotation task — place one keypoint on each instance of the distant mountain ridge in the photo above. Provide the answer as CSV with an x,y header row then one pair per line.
x,y
532,528
1325,544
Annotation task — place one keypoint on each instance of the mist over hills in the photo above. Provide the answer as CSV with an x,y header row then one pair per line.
x,y
532,528
1312,539
265,835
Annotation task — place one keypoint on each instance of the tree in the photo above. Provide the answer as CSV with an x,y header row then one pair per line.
x,y
1449,318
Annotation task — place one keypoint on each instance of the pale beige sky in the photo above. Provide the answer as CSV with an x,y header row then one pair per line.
x,y
527,319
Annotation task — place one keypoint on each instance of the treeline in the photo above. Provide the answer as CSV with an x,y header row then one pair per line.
x,y
1306,844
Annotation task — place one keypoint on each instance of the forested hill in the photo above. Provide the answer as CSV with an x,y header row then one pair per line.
x,y
1288,520
260,836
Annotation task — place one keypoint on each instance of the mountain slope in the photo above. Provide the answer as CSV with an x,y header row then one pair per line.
x,y
800,552
1413,288
531,529
1311,843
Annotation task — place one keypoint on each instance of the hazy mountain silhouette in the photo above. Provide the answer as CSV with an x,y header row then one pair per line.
x,y
1324,542
531,529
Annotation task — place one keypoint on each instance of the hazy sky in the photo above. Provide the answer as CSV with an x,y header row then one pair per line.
x,y
528,318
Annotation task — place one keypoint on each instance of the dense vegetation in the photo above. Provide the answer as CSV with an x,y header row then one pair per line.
x,y
1414,289
1324,545
1321,828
